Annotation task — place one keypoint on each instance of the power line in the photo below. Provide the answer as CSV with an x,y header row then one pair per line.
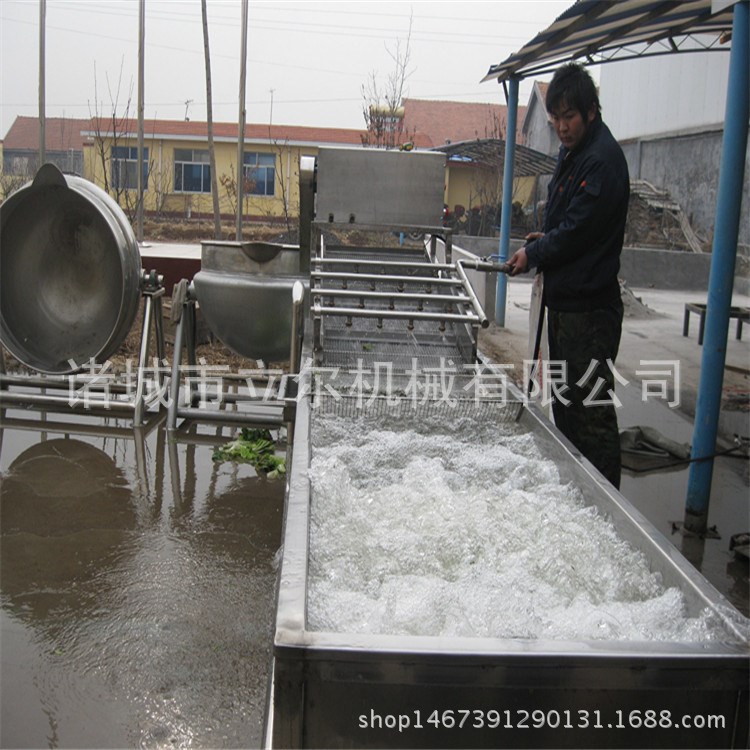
x,y
454,36
313,9
477,98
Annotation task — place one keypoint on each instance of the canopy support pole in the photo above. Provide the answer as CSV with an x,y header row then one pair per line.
x,y
721,275
507,205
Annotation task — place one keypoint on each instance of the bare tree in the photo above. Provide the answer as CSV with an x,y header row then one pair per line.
x,y
9,183
160,182
284,179
229,183
111,134
108,127
487,182
210,126
382,105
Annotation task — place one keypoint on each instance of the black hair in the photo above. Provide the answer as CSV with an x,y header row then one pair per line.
x,y
572,85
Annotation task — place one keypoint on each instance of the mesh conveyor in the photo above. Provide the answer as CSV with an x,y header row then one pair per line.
x,y
400,306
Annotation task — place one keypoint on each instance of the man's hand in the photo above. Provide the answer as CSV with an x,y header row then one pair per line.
x,y
519,262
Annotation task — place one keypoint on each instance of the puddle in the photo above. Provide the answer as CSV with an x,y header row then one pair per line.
x,y
661,495
137,591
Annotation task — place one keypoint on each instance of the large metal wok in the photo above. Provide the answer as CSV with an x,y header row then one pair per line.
x,y
70,273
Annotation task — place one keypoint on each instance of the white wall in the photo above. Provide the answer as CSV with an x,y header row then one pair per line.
x,y
666,94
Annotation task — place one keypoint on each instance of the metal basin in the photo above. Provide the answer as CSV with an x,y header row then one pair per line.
x,y
244,290
70,282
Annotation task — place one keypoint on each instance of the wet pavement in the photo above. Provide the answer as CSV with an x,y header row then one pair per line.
x,y
137,589
660,496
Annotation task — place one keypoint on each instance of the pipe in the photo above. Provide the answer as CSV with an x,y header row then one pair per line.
x,y
242,418
389,296
382,278
721,276
488,266
89,400
179,340
298,324
483,321
507,205
384,264
358,312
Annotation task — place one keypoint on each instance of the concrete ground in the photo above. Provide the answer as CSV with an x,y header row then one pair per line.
x,y
653,332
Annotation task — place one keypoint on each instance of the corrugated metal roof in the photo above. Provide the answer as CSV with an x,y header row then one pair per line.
x,y
491,151
596,32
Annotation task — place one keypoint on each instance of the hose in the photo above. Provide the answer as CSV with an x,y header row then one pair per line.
x,y
728,453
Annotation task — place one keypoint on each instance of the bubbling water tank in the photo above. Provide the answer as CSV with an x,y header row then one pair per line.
x,y
70,273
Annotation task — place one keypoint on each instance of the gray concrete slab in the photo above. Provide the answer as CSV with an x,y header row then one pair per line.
x,y
652,332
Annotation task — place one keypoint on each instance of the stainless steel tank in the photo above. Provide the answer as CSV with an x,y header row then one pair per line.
x,y
367,689
70,273
244,290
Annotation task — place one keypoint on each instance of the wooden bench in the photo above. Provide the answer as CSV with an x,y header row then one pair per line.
x,y
740,313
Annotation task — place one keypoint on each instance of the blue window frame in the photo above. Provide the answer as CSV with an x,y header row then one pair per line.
x,y
124,161
192,171
260,173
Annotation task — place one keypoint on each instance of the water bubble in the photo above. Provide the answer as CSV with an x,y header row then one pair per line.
x,y
428,528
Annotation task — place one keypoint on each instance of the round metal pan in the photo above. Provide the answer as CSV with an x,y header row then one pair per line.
x,y
70,273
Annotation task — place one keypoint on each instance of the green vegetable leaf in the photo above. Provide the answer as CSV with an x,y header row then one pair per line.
x,y
256,447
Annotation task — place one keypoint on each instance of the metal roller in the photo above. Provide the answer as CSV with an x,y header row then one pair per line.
x,y
70,273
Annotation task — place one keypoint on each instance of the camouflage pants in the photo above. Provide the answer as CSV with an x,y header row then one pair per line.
x,y
582,343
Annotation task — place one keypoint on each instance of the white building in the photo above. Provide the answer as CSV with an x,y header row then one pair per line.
x,y
668,114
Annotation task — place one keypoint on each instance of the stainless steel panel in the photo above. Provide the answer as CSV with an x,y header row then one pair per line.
x,y
244,290
374,186
255,257
251,314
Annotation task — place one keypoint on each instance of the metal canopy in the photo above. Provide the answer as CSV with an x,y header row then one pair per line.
x,y
491,151
598,32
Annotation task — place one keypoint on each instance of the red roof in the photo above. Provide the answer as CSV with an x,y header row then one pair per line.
x,y
426,123
198,130
452,122
61,134
67,133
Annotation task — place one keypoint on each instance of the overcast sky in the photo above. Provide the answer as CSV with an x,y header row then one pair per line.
x,y
306,63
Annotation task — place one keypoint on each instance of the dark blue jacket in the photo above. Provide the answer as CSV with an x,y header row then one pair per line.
x,y
584,224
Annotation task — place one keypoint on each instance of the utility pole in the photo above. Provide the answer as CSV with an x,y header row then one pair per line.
x,y
241,123
42,103
210,126
141,68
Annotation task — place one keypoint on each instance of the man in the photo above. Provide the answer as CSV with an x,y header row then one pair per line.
x,y
579,254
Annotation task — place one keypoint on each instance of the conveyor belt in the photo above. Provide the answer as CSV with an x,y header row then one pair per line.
x,y
382,305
